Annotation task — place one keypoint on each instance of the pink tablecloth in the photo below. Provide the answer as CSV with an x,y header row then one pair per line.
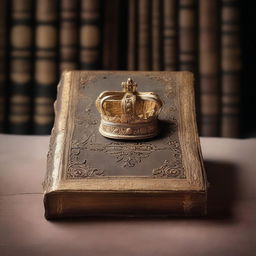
x,y
230,228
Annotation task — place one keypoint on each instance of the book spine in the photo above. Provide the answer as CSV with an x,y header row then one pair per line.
x,y
111,35
3,11
69,40
209,67
46,71
230,67
144,46
133,35
21,71
188,35
188,43
170,35
157,25
90,35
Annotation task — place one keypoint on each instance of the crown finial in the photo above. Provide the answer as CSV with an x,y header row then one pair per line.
x,y
129,114
129,86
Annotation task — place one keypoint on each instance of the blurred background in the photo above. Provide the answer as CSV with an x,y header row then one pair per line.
x,y
214,39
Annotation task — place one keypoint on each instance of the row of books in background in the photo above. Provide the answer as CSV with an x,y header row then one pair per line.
x,y
40,39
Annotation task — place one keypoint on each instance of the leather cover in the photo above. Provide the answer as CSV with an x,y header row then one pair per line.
x,y
89,174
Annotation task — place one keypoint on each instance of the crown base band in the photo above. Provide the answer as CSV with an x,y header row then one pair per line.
x,y
128,131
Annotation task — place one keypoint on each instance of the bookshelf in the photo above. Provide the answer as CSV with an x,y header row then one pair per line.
x,y
212,39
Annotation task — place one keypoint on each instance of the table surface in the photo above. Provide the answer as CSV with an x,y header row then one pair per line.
x,y
230,228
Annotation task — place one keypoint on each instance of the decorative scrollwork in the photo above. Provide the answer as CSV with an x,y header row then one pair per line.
x,y
167,171
85,78
129,155
78,168
83,171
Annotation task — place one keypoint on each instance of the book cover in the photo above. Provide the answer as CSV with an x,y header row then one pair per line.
x,y
46,66
88,174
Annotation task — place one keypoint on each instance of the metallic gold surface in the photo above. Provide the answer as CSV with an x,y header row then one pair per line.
x,y
129,114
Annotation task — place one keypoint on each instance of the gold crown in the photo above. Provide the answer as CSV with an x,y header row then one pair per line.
x,y
129,114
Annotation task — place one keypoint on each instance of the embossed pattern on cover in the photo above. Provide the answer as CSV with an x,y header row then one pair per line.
x,y
157,157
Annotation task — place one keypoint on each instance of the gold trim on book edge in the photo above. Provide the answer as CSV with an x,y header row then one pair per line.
x,y
187,130
60,129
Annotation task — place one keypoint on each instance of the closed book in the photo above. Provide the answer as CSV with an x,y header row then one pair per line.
x,y
157,38
230,68
209,67
132,52
144,35
170,35
21,67
90,34
46,68
3,68
69,35
89,174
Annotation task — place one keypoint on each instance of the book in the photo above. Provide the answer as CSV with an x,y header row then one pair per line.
x,y
209,67
46,66
3,68
89,174
230,68
170,37
144,35
132,51
157,39
69,35
21,67
90,34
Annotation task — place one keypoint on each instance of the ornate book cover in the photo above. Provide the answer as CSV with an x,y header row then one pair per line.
x,y
88,174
